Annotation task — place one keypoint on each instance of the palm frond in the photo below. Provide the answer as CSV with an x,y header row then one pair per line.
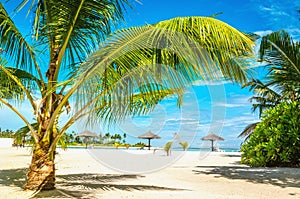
x,y
283,80
15,46
24,131
279,50
9,88
247,132
72,29
223,43
152,56
265,97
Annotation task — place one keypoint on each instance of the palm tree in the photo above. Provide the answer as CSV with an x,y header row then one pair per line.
x,y
282,55
124,136
116,137
107,136
107,78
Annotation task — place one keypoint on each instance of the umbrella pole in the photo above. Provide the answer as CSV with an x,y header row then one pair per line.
x,y
149,143
212,145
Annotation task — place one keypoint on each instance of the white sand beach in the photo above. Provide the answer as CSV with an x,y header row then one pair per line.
x,y
195,174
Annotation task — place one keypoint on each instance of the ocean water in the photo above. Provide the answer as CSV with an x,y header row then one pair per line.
x,y
145,148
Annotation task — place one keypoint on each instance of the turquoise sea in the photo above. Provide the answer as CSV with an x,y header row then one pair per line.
x,y
175,149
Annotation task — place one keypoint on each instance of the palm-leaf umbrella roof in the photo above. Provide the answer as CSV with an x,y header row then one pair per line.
x,y
212,137
87,134
149,135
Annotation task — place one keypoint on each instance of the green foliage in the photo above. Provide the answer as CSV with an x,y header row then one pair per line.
x,y
139,144
128,73
276,139
184,145
281,54
6,134
167,147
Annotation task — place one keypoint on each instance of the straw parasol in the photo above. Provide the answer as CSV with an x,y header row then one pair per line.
x,y
87,134
212,137
149,135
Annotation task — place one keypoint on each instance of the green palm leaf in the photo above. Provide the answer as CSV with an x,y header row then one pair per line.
x,y
218,39
282,55
128,74
247,132
14,44
150,56
9,89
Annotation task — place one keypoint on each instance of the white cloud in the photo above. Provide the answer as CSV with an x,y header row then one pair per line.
x,y
265,8
263,32
212,83
228,105
240,120
279,13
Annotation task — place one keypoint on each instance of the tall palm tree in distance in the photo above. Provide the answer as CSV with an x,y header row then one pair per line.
x,y
71,59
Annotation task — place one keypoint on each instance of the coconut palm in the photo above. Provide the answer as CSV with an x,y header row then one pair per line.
x,y
282,55
71,58
124,136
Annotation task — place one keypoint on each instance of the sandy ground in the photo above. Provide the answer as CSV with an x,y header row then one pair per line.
x,y
141,174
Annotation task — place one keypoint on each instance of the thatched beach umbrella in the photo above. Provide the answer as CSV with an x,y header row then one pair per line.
x,y
212,137
149,135
87,134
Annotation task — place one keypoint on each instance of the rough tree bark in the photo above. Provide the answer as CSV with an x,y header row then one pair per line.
x,y
41,172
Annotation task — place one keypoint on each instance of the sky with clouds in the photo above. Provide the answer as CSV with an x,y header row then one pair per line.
x,y
219,107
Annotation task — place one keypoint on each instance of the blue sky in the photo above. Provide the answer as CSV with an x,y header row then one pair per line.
x,y
219,107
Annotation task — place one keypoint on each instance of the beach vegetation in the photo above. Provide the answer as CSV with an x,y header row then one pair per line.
x,y
168,147
73,64
6,133
184,145
275,141
139,144
282,83
124,138
282,57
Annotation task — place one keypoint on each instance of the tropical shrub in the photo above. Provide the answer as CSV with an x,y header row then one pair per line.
x,y
276,139
184,145
167,147
139,144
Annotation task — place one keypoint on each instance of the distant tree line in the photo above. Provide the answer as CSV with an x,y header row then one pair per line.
x,y
6,134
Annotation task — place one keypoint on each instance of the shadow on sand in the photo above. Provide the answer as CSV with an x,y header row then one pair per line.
x,y
13,177
283,177
85,185
80,185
